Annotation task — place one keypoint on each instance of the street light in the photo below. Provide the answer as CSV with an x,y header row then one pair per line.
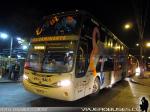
x,y
24,47
148,44
140,36
3,35
137,44
128,26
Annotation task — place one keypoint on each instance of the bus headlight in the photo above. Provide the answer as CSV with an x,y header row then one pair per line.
x,y
137,71
25,77
64,83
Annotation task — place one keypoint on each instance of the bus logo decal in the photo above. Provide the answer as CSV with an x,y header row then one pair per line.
x,y
102,78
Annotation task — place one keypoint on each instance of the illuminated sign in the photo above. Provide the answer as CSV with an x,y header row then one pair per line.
x,y
44,39
39,47
53,38
39,31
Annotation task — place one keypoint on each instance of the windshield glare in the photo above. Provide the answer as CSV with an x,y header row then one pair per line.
x,y
51,60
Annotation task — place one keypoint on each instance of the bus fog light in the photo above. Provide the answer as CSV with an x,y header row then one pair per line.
x,y
25,77
64,83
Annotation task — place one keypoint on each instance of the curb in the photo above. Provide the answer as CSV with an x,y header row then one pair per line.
x,y
10,81
136,82
6,80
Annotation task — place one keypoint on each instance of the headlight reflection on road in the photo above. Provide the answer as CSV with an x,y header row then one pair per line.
x,y
131,86
134,91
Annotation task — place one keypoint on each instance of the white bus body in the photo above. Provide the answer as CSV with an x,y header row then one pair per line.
x,y
95,64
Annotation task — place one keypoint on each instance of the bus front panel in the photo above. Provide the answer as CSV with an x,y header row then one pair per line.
x,y
57,86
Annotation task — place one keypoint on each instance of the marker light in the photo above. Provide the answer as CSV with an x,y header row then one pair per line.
x,y
64,83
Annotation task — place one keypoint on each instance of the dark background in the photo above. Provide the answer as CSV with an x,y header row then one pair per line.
x,y
20,18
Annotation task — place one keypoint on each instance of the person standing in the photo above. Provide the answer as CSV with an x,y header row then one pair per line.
x,y
16,70
1,73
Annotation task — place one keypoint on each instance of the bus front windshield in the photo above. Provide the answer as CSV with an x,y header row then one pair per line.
x,y
59,25
51,57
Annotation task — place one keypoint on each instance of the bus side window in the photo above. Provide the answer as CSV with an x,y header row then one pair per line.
x,y
81,66
87,28
103,35
99,64
108,65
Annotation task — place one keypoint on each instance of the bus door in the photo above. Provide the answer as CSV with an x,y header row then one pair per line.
x,y
117,69
81,69
107,67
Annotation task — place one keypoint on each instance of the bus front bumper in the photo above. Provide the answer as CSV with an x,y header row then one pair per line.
x,y
56,93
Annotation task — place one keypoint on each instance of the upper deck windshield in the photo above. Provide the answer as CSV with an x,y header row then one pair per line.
x,y
51,57
59,25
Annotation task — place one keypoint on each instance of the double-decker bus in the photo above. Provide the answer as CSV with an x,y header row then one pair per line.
x,y
73,55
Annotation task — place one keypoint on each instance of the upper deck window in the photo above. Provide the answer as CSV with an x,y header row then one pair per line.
x,y
59,25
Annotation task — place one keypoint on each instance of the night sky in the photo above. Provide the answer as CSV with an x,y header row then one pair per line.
x,y
19,18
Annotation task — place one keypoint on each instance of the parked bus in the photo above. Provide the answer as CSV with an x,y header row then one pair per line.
x,y
73,55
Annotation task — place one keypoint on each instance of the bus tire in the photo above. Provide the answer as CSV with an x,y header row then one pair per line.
x,y
96,87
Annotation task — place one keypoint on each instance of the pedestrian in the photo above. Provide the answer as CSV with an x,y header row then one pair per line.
x,y
16,70
1,73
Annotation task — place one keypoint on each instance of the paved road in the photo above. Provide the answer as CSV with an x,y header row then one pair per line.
x,y
13,94
123,94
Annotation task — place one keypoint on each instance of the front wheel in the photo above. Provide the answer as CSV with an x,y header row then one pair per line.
x,y
96,87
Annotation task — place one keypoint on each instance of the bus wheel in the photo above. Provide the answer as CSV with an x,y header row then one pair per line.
x,y
96,87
